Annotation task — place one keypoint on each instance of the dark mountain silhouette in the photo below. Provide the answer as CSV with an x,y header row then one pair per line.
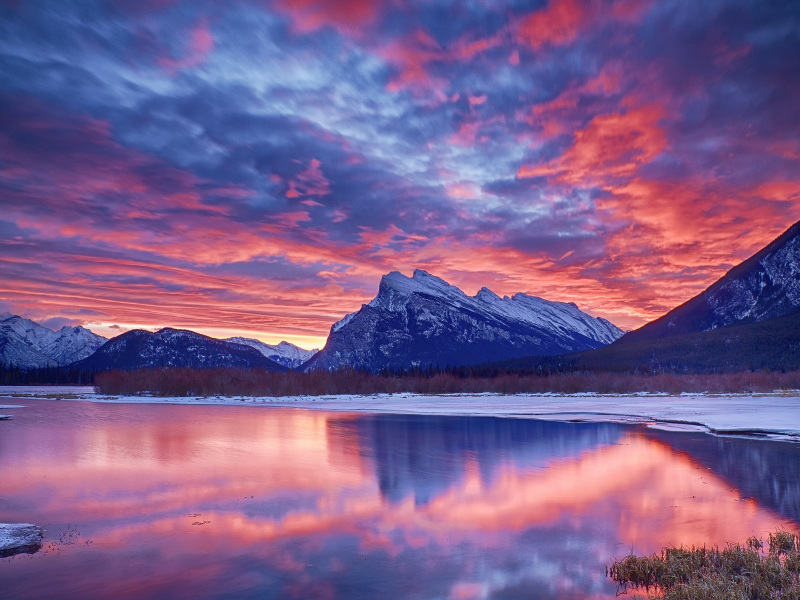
x,y
167,347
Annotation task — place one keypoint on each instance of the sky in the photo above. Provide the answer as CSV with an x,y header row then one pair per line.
x,y
252,167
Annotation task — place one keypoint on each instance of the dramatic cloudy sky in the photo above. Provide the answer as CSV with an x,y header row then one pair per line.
x,y
254,166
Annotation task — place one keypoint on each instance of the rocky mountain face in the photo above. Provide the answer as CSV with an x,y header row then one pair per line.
x,y
749,320
167,347
763,287
284,353
423,320
28,344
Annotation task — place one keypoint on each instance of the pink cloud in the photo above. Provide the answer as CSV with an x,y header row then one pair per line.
x,y
558,23
309,182
568,111
562,21
198,48
349,17
465,190
411,56
414,54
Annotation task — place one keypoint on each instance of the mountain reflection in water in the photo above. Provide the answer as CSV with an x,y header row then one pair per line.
x,y
240,502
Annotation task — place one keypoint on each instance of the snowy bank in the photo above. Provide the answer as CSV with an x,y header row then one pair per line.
x,y
775,415
43,390
19,538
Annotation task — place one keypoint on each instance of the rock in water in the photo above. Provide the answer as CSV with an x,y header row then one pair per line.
x,y
19,538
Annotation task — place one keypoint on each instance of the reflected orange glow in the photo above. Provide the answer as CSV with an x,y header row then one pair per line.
x,y
661,498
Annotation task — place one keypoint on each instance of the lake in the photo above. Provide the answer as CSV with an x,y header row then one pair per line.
x,y
168,501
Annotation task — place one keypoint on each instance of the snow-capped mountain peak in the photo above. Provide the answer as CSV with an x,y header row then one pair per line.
x,y
395,284
28,344
487,295
422,319
396,290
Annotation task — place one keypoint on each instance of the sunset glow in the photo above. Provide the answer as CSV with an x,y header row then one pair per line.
x,y
253,167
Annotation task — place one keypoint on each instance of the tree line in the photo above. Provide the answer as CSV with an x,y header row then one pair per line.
x,y
11,374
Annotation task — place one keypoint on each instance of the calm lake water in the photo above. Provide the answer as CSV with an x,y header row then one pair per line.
x,y
160,501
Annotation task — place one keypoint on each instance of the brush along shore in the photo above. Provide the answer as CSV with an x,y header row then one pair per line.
x,y
177,381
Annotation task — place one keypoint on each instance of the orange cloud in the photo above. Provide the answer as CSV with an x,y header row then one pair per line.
x,y
610,146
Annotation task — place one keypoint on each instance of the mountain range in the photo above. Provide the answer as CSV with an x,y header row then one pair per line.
x,y
747,320
28,344
423,320
413,321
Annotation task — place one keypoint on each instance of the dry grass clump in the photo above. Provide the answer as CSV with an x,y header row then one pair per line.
x,y
737,572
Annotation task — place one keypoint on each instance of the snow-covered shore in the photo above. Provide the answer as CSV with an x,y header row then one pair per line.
x,y
775,415
19,538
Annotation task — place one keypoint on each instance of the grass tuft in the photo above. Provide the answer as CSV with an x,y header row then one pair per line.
x,y
736,572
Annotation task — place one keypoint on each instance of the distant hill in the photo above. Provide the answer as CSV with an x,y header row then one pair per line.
x,y
748,320
27,344
772,345
284,353
167,347
423,320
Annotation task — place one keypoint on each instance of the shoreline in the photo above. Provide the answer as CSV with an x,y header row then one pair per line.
x,y
763,416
